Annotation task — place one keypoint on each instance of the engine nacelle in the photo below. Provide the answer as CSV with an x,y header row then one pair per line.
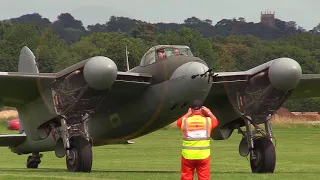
x,y
100,72
285,73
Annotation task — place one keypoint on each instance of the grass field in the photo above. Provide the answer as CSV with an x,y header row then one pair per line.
x,y
157,156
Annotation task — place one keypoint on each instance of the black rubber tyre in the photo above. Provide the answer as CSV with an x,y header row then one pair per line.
x,y
266,156
33,163
81,151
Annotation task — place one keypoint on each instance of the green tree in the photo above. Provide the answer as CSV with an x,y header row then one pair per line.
x,y
52,53
316,29
13,40
146,32
247,40
235,57
111,45
4,28
303,105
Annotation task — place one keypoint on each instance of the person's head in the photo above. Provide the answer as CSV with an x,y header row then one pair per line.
x,y
176,51
161,53
196,105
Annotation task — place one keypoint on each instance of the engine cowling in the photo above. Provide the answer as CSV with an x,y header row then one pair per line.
x,y
100,72
285,73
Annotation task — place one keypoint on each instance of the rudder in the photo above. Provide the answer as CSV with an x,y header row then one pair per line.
x,y
27,61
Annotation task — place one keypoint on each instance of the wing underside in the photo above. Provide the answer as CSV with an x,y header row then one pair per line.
x,y
12,140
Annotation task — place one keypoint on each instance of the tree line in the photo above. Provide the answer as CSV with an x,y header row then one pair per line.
x,y
230,45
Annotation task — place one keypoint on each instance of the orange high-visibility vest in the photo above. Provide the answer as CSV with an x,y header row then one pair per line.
x,y
196,137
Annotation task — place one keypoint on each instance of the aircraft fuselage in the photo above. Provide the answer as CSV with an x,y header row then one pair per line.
x,y
169,96
167,99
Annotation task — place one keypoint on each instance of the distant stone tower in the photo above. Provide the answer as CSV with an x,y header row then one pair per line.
x,y
268,19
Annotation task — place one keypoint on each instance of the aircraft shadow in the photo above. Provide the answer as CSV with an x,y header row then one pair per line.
x,y
238,172
143,171
99,171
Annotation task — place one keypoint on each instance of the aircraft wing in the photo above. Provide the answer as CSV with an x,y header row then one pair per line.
x,y
222,94
219,99
309,86
21,88
126,87
12,139
224,82
130,83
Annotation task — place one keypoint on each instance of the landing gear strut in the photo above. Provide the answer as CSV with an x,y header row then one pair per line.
x,y
77,146
34,160
261,148
75,102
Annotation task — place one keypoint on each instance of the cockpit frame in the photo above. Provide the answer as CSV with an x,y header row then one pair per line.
x,y
152,55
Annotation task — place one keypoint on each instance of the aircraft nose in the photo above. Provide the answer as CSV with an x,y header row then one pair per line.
x,y
187,70
285,73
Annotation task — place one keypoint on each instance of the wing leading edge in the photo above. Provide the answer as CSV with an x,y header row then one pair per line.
x,y
308,86
21,88
225,84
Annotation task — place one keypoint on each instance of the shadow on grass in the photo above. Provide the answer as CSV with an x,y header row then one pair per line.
x,y
53,170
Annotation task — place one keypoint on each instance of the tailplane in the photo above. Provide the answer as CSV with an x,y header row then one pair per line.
x,y
27,61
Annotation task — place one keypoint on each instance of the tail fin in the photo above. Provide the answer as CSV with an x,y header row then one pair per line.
x,y
27,61
127,59
27,64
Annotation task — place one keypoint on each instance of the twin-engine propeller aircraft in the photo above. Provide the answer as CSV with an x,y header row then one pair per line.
x,y
91,103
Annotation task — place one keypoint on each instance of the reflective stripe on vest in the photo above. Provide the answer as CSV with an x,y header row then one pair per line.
x,y
196,140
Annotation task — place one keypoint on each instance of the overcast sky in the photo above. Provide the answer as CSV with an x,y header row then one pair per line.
x,y
305,12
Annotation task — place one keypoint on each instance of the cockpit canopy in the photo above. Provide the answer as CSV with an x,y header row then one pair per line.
x,y
160,52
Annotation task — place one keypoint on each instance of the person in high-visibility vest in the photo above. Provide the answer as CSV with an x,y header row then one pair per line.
x,y
196,126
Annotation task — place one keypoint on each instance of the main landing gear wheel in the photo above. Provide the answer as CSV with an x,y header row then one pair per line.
x,y
80,155
34,160
265,156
